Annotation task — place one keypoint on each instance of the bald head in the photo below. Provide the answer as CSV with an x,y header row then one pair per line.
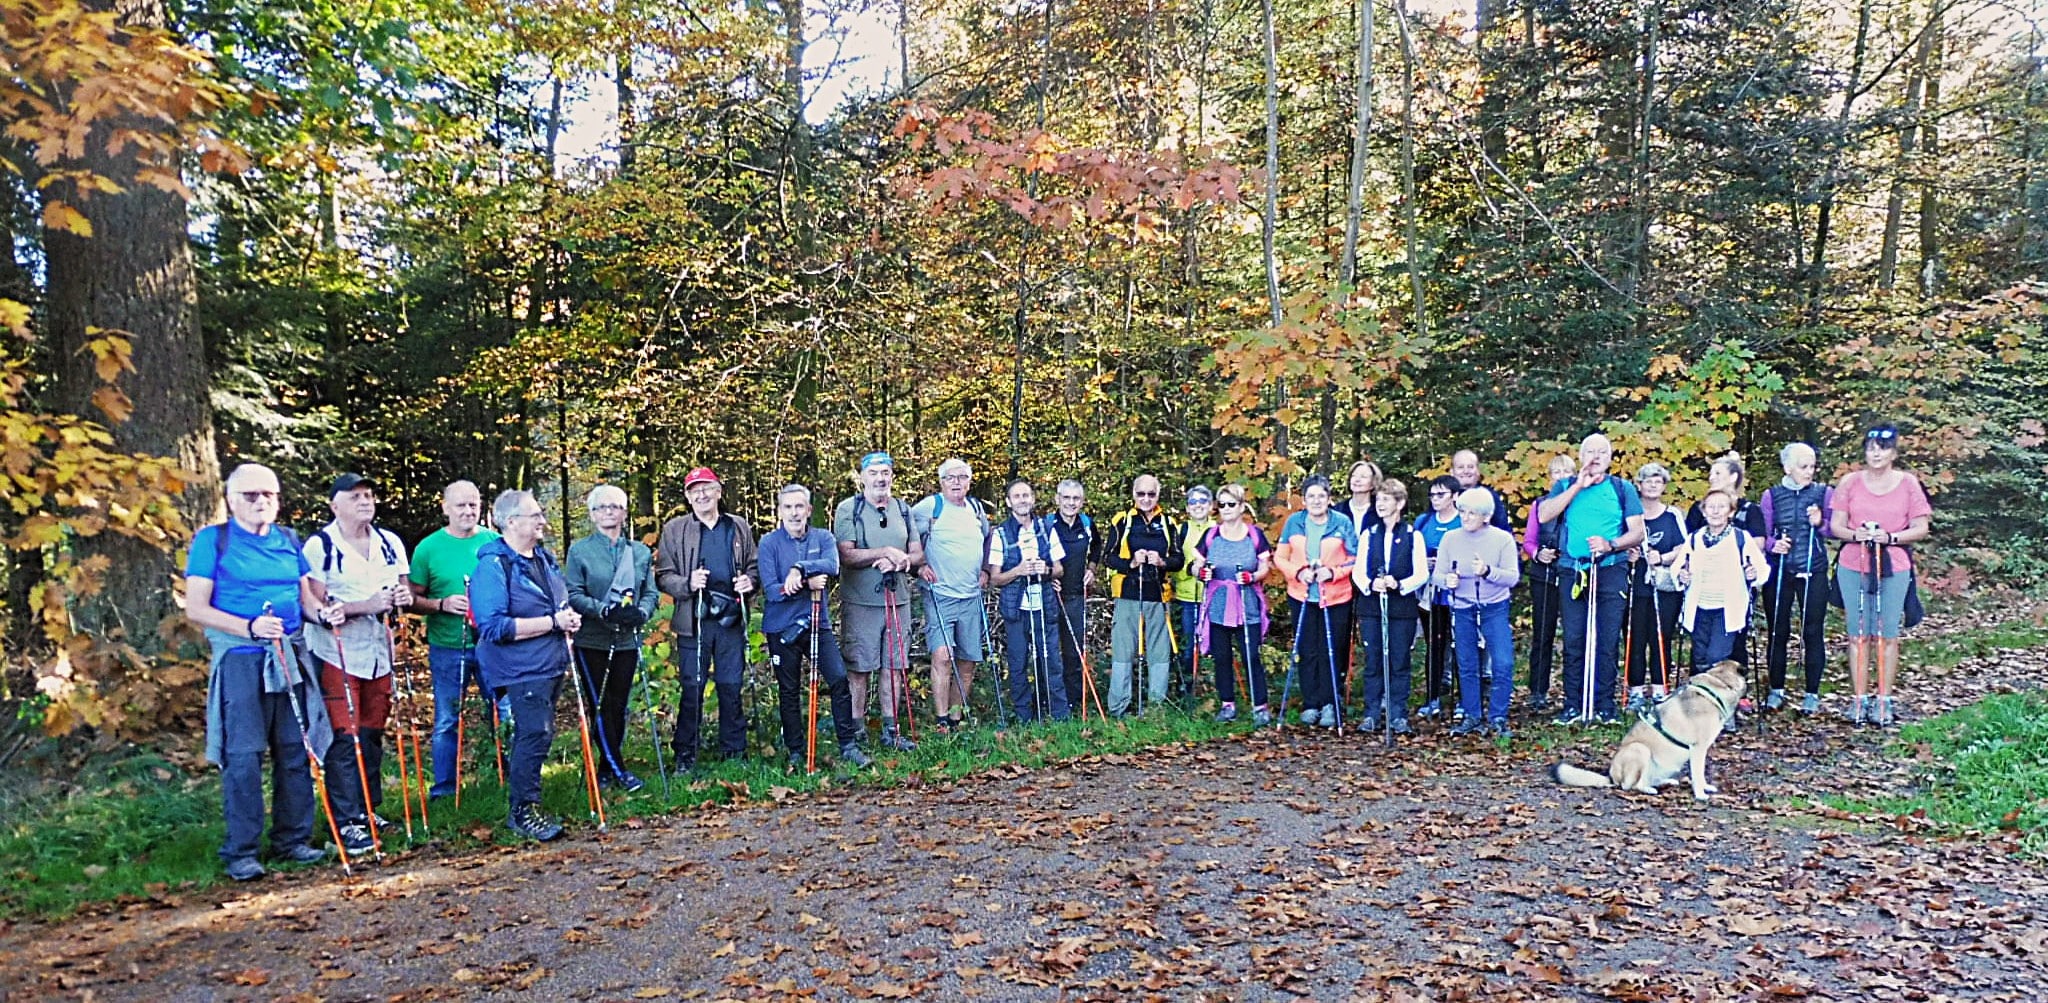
x,y
1465,467
463,505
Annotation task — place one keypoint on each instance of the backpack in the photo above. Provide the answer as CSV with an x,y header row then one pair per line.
x,y
860,526
939,505
220,540
330,560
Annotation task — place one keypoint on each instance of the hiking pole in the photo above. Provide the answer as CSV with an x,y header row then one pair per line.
x,y
893,636
583,730
1330,656
653,722
355,722
405,698
1088,687
1293,663
811,743
1590,677
1387,674
1138,687
1628,625
292,696
604,747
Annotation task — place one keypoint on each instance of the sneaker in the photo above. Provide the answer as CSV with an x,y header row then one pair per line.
x,y
355,838
1401,727
1329,718
1368,724
302,854
1566,719
1458,713
1883,716
1432,709
527,820
630,783
1857,710
1638,700
795,762
1311,716
1498,728
1607,717
1776,701
1539,703
1811,705
893,740
1465,727
850,755
1261,716
384,825
245,869
1227,714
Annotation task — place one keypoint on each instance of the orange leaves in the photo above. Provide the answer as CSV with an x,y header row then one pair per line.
x,y
59,216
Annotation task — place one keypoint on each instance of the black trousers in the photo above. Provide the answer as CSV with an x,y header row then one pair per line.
x,y
1652,628
1543,612
1442,653
1804,600
608,686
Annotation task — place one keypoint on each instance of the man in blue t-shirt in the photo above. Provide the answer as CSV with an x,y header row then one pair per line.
x,y
1602,519
247,585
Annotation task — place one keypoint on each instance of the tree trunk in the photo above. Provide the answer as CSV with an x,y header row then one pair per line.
x,y
629,116
134,276
1639,257
1354,210
1817,279
1409,231
1493,119
1902,166
1270,214
1930,152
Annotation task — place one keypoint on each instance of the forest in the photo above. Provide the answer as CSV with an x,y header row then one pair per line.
x,y
551,244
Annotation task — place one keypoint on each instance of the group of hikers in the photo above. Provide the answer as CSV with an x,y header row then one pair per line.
x,y
304,660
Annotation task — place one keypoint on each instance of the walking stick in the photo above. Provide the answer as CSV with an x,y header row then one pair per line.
x,y
811,743
893,635
285,664
355,722
1293,663
1628,625
1139,682
412,727
1586,697
653,722
583,729
1387,674
604,747
1330,654
1088,688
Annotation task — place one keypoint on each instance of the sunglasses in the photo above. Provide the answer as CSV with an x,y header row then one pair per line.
x,y
1230,504
1144,494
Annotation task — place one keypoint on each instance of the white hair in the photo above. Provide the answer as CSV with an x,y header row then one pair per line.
x,y
1595,441
242,473
507,504
1477,501
1794,452
794,489
605,494
955,465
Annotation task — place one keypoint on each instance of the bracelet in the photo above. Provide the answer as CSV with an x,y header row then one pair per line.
x,y
251,627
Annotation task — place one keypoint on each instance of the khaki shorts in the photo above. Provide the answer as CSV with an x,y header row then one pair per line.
x,y
864,637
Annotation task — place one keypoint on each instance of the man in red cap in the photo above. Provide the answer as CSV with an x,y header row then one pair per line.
x,y
703,561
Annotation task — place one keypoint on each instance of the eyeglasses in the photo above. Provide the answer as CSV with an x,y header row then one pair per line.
x,y
1144,494
955,477
1439,494
882,517
535,514
608,507
252,497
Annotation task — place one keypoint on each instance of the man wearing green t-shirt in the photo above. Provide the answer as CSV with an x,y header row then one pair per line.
x,y
441,567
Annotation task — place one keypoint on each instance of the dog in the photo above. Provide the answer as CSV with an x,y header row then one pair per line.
x,y
1671,740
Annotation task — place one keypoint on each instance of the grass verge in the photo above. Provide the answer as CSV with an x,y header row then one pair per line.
x,y
145,830
1986,770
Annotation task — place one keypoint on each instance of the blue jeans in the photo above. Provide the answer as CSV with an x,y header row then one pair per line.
x,y
1468,625
453,671
533,732
1609,607
259,724
1035,690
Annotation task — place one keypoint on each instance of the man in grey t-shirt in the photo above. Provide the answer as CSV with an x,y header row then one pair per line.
x,y
954,529
877,552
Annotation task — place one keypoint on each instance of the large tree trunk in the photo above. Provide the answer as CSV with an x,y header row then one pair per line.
x,y
1270,214
134,276
1411,238
1831,179
1903,165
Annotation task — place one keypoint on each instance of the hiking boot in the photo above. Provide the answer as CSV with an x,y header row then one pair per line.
x,y
245,869
302,854
850,755
1311,716
1857,709
1261,716
1329,717
527,820
1776,701
892,740
1401,727
1469,726
1432,709
1227,714
1811,705
795,762
355,838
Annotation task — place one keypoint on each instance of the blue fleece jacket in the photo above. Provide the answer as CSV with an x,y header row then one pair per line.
x,y
507,587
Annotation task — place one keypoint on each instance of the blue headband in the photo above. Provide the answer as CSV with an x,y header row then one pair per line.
x,y
877,457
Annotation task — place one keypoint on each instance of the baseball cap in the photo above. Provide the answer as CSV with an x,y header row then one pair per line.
x,y
699,475
349,482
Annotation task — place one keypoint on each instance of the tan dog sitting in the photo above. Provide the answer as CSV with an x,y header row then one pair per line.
x,y
1671,740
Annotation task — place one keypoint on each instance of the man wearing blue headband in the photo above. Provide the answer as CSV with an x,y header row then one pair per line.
x,y
876,553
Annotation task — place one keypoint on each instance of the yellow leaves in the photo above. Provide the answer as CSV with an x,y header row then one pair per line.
x,y
112,353
14,316
60,216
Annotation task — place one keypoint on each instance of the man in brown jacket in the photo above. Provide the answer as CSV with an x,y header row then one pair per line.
x,y
704,561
